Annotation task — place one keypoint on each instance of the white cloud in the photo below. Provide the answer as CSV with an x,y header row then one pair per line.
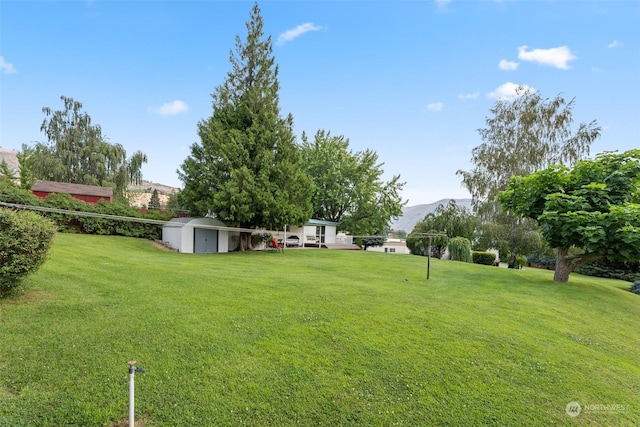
x,y
615,44
435,107
595,69
171,108
555,57
473,95
443,3
508,91
293,33
508,65
7,67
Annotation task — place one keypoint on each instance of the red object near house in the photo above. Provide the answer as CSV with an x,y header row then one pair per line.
x,y
91,194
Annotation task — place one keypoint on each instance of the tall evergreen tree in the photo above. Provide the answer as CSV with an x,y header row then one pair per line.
x,y
154,201
246,169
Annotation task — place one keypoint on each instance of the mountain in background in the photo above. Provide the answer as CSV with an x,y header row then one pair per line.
x,y
412,214
11,158
148,187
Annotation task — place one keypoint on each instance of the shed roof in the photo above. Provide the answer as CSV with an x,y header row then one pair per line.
x,y
65,187
191,221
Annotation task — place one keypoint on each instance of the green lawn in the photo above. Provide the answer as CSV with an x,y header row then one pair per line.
x,y
312,338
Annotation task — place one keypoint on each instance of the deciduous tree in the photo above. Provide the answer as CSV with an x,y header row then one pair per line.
x,y
521,136
450,219
593,206
348,188
246,169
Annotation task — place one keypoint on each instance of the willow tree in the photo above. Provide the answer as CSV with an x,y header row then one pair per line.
x,y
522,136
77,152
246,168
451,220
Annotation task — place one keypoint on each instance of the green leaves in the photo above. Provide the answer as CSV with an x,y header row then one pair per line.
x,y
25,239
521,136
450,219
347,185
246,169
78,153
590,206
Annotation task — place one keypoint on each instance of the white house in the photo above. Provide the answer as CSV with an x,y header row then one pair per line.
x,y
314,233
199,235
393,246
210,235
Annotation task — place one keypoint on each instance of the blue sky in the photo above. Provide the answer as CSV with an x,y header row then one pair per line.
x,y
411,80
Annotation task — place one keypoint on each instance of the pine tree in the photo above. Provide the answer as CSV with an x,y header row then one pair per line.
x,y
246,168
154,202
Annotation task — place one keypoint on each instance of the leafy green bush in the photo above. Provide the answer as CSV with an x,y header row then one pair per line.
x,y
260,238
419,245
25,238
521,261
544,260
66,223
629,271
484,258
460,249
10,193
368,242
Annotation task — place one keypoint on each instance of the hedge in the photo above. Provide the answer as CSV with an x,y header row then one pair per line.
x,y
484,258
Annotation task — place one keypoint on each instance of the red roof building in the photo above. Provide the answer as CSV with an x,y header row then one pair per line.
x,y
87,193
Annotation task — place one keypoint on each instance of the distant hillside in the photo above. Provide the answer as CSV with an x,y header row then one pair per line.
x,y
10,157
140,195
148,186
412,214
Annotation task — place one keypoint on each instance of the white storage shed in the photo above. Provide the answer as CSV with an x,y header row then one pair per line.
x,y
199,235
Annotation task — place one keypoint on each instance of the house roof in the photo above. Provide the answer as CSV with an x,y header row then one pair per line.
x,y
320,222
65,187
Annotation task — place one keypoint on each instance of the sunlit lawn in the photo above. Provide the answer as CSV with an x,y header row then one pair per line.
x,y
311,338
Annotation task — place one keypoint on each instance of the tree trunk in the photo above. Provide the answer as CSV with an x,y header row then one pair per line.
x,y
512,260
564,267
245,241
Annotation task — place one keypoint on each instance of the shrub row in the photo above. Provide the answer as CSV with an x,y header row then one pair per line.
x,y
544,260
86,224
629,271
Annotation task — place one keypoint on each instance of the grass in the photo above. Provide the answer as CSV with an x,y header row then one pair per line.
x,y
312,338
